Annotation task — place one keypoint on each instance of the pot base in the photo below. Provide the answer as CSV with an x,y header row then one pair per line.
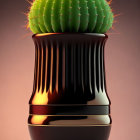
x,y
69,132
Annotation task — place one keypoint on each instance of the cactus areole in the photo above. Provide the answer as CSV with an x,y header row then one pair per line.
x,y
58,16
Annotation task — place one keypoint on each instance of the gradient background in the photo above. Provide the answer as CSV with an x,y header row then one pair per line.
x,y
17,65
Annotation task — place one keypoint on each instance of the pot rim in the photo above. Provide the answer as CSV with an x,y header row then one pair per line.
x,y
49,34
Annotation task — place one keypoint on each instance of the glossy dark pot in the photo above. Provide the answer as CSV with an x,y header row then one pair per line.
x,y
69,99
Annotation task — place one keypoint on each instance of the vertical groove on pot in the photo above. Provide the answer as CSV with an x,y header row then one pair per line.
x,y
48,55
102,66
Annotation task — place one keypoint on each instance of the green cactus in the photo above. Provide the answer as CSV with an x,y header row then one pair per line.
x,y
93,16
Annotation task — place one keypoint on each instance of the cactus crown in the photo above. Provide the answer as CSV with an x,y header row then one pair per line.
x,y
92,16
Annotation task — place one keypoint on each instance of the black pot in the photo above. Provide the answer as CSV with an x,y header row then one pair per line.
x,y
69,99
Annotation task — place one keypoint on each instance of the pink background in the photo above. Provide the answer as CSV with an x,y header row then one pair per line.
x,y
122,69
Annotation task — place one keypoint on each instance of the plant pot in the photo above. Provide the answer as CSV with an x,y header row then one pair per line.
x,y
69,99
